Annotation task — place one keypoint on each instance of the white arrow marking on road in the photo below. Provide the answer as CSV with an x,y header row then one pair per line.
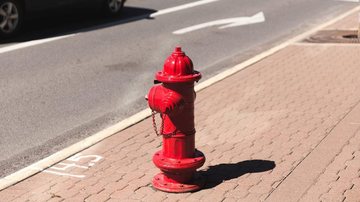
x,y
229,22
181,7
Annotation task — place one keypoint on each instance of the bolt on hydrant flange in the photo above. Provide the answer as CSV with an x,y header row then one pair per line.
x,y
174,100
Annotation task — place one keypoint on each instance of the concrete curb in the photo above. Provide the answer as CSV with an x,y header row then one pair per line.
x,y
92,140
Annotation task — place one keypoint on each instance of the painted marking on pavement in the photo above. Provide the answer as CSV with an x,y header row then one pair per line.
x,y
63,174
227,23
32,43
181,7
61,168
68,165
78,157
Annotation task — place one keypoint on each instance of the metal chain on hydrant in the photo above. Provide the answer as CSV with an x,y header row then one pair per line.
x,y
161,126
154,123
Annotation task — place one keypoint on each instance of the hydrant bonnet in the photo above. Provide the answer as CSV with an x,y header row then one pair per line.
x,y
178,68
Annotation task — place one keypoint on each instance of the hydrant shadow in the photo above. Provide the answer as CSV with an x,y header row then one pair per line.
x,y
217,174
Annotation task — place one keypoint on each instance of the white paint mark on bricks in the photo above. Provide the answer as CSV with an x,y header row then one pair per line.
x,y
62,168
227,23
67,165
79,156
63,174
32,43
181,7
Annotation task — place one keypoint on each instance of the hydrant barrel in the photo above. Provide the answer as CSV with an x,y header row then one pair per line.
x,y
174,99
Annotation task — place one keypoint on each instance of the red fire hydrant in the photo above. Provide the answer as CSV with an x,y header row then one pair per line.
x,y
174,100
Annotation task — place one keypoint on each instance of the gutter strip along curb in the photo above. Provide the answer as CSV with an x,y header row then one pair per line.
x,y
132,120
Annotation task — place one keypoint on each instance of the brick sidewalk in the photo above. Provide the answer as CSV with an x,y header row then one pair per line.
x,y
284,129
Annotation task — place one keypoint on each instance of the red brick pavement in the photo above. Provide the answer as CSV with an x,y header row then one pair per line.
x,y
278,112
340,181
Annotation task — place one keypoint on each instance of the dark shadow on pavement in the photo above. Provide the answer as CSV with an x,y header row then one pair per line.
x,y
217,174
63,22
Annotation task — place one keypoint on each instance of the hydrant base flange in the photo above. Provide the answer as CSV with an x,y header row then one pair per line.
x,y
179,165
159,182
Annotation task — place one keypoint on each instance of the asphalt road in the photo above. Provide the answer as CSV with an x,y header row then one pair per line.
x,y
56,93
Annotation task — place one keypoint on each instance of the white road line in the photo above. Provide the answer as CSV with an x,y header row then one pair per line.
x,y
229,22
181,7
32,43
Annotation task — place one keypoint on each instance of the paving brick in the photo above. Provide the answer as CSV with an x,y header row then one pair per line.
x,y
225,186
352,194
116,186
198,195
252,197
332,196
74,199
102,196
237,193
42,197
230,200
10,194
89,190
189,200
177,197
69,193
55,199
21,199
261,188
62,186
157,196
214,196
122,194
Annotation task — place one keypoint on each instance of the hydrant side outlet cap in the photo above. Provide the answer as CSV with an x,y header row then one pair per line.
x,y
178,68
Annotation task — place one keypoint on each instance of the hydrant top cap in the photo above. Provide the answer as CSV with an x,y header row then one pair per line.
x,y
178,68
178,50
